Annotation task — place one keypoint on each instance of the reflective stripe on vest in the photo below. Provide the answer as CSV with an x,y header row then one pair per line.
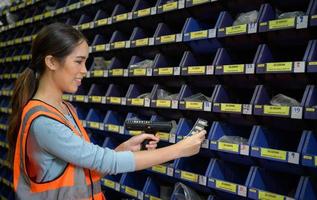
x,y
73,183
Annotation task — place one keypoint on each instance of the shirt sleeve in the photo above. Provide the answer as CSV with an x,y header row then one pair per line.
x,y
59,140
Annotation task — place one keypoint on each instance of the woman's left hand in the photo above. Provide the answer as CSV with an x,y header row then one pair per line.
x,y
134,143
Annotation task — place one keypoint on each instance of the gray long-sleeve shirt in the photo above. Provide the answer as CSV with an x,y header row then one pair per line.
x,y
51,145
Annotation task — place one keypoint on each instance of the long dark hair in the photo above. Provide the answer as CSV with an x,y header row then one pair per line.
x,y
56,39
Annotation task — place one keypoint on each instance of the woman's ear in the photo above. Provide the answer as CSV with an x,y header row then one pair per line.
x,y
51,63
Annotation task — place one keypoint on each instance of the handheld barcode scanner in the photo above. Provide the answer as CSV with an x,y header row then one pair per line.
x,y
151,127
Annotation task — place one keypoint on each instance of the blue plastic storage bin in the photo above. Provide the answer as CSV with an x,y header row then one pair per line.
x,y
193,174
309,151
231,151
228,177
116,94
133,184
284,148
266,184
262,102
165,103
195,63
269,20
188,91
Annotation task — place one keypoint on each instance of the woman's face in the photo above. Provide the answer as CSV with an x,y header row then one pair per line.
x,y
72,70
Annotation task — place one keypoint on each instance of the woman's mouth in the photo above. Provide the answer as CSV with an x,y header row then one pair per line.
x,y
78,81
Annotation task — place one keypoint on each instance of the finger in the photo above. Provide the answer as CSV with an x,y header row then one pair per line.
x,y
153,142
195,132
201,134
151,146
150,137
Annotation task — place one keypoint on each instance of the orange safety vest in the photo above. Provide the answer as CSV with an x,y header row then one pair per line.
x,y
74,183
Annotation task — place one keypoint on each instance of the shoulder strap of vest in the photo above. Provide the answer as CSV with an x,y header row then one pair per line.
x,y
74,114
52,110
70,106
35,106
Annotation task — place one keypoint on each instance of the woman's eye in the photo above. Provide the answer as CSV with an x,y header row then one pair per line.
x,y
79,62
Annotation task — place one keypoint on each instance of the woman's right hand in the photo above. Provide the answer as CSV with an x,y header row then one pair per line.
x,y
191,145
187,147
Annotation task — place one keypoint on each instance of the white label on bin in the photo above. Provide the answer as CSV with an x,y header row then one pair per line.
x,y
103,100
90,49
130,15
125,72
209,69
293,157
302,22
297,113
181,4
86,99
121,130
212,33
151,41
244,150
117,187
109,20
207,106
123,101
242,191
172,138
107,47
247,109
299,67
202,180
147,102
252,28
179,37
106,73
128,44
149,71
170,171
153,10
174,104
249,68
177,71
205,144
140,195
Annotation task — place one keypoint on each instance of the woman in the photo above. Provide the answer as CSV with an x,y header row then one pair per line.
x,y
53,157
